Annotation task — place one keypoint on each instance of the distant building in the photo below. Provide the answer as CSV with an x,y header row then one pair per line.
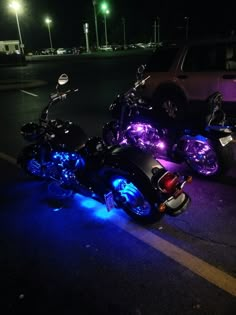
x,y
10,46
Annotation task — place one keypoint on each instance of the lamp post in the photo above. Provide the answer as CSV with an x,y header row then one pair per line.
x,y
86,30
48,21
186,27
16,7
105,11
158,30
96,23
124,34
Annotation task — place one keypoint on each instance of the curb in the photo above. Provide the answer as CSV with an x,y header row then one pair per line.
x,y
6,85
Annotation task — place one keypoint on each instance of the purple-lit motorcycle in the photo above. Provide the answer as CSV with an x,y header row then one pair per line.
x,y
208,151
120,177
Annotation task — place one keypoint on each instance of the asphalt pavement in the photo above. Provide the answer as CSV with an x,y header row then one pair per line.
x,y
77,258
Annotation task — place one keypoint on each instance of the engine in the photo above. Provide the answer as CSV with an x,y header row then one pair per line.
x,y
146,137
65,165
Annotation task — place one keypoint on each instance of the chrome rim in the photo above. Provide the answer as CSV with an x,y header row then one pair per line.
x,y
170,108
201,157
131,198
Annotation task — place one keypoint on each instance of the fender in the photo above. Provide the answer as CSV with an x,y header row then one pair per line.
x,y
134,161
218,134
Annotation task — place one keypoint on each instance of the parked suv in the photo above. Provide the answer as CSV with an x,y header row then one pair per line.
x,y
184,75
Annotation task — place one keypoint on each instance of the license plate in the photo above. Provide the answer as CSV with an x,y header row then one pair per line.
x,y
109,201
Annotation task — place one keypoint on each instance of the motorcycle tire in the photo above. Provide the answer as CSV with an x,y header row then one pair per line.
x,y
170,107
208,159
29,163
135,201
129,173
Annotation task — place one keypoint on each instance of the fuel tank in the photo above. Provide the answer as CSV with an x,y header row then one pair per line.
x,y
66,135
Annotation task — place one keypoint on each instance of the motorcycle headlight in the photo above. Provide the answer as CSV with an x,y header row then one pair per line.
x,y
225,140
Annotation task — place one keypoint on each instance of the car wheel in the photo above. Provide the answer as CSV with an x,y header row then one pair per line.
x,y
172,107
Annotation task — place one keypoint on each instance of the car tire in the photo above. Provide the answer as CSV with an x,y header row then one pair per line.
x,y
169,106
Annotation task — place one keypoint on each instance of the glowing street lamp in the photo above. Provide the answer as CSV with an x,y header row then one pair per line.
x,y
105,11
96,23
16,7
48,22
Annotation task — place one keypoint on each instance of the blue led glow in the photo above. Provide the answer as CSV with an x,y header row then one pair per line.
x,y
96,208
116,183
89,203
102,213
65,157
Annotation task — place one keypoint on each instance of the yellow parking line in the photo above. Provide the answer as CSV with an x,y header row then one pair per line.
x,y
203,269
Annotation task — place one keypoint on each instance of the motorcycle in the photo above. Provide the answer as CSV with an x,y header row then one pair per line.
x,y
207,149
117,176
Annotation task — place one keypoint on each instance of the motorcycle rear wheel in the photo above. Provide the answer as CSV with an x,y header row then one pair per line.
x,y
208,159
134,201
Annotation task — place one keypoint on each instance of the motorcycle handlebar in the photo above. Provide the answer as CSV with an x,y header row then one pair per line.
x,y
136,85
62,95
54,98
141,82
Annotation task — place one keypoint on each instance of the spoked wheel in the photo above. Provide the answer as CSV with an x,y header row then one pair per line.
x,y
202,157
131,198
170,107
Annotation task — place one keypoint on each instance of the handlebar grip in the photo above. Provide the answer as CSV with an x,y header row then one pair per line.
x,y
63,95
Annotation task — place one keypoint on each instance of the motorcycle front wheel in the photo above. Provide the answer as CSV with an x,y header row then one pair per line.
x,y
134,201
28,160
207,158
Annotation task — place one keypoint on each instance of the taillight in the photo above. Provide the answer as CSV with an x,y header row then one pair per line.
x,y
169,183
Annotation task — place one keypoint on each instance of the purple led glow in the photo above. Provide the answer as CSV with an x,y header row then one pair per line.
x,y
145,136
161,145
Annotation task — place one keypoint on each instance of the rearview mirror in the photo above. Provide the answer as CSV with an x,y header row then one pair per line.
x,y
139,73
63,79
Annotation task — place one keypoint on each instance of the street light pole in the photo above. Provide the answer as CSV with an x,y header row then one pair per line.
x,y
105,25
186,27
105,13
16,7
48,22
155,32
124,34
158,30
86,30
96,23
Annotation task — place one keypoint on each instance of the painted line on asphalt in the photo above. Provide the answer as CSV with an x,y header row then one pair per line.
x,y
8,158
26,92
198,266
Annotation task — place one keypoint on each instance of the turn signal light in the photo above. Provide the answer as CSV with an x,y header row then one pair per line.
x,y
189,179
162,207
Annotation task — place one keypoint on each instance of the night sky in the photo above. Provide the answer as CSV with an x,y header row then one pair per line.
x,y
205,18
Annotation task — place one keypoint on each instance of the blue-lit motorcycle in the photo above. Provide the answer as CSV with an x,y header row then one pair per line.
x,y
206,147
120,177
